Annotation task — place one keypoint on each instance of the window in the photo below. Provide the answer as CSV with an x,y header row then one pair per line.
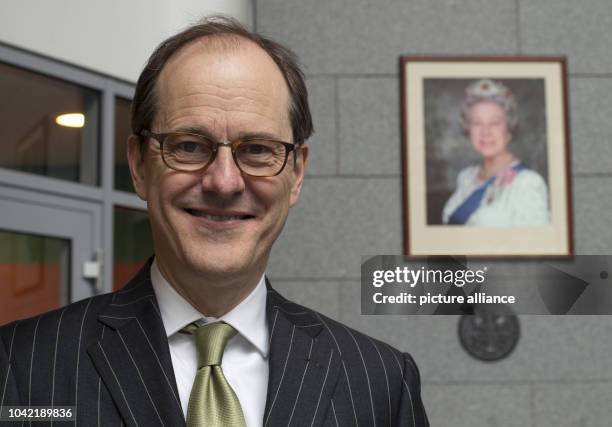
x,y
34,274
70,224
133,244
122,132
48,126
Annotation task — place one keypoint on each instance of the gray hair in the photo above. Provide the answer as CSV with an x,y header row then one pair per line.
x,y
486,90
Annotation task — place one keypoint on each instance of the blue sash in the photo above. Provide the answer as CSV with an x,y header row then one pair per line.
x,y
472,203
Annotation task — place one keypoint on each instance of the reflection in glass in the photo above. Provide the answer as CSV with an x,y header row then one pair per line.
x,y
34,274
32,141
132,244
122,131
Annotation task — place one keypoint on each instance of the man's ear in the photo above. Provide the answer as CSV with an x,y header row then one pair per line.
x,y
299,169
136,161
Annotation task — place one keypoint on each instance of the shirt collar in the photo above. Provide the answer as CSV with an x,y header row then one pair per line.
x,y
248,317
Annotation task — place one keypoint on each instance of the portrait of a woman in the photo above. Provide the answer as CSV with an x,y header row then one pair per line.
x,y
500,190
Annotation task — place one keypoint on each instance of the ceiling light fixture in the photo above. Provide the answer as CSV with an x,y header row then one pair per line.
x,y
71,120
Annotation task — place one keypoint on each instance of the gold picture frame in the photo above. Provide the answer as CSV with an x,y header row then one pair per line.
x,y
452,206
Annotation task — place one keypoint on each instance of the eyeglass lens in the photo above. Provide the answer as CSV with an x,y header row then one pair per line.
x,y
189,152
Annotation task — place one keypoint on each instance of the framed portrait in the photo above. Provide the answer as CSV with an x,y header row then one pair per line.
x,y
486,165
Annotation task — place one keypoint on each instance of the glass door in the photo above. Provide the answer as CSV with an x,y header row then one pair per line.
x,y
47,248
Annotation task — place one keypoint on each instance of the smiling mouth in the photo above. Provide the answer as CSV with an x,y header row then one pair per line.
x,y
218,218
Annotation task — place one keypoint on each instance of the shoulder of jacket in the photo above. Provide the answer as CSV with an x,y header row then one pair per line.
x,y
349,339
468,173
529,178
89,307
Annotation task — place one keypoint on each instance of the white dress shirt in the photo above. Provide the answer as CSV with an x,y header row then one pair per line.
x,y
245,360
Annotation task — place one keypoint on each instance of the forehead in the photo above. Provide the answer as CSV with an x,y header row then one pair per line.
x,y
487,108
229,81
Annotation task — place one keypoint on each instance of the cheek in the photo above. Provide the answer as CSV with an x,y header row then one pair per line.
x,y
276,199
503,134
157,191
473,134
164,189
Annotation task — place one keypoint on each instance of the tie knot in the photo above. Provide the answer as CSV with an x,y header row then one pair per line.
x,y
211,340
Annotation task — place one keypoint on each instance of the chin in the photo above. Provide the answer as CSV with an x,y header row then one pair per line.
x,y
490,154
220,261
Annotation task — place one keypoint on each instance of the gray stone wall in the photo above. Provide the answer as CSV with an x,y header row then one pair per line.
x,y
560,374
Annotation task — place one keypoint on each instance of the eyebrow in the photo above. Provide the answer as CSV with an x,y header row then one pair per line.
x,y
196,130
201,130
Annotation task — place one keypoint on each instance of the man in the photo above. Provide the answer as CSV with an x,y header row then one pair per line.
x,y
220,116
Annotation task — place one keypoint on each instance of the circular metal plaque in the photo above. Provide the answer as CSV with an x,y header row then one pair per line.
x,y
491,333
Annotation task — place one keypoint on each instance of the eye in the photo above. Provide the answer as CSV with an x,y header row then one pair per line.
x,y
187,144
257,148
189,147
186,148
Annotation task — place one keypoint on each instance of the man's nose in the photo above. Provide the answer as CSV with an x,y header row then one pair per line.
x,y
223,176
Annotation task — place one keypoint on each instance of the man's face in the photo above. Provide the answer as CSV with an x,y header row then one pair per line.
x,y
218,223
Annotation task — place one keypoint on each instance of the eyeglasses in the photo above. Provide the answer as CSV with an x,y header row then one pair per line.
x,y
191,152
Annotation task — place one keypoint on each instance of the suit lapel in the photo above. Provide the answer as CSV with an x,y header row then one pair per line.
x,y
303,370
133,357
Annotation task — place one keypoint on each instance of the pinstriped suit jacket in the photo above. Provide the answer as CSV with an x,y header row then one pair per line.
x,y
109,357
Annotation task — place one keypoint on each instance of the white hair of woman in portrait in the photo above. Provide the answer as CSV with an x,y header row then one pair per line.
x,y
499,191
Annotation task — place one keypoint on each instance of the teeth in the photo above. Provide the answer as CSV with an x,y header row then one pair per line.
x,y
222,218
217,217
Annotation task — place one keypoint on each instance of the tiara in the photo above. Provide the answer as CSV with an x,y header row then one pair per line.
x,y
487,88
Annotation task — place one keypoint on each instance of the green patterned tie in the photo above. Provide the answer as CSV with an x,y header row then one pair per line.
x,y
212,403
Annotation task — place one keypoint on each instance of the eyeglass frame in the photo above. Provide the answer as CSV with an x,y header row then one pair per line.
x,y
160,138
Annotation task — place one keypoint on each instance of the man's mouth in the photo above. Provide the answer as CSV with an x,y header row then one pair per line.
x,y
218,218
